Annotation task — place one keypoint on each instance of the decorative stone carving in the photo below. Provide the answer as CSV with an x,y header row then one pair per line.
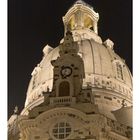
x,y
109,43
36,70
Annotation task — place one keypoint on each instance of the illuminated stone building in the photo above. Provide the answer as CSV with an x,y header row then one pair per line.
x,y
81,90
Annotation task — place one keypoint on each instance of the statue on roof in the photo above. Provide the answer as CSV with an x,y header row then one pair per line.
x,y
16,110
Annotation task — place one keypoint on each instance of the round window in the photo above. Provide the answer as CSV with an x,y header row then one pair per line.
x,y
61,130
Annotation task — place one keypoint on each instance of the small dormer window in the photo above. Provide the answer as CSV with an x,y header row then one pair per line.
x,y
119,71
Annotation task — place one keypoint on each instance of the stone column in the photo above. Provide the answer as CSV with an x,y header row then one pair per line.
x,y
95,27
79,19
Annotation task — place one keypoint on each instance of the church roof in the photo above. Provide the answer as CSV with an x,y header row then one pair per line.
x,y
99,61
124,115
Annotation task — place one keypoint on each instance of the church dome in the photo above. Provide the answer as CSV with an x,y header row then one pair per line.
x,y
80,90
105,72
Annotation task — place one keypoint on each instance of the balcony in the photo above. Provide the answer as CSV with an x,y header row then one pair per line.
x,y
67,100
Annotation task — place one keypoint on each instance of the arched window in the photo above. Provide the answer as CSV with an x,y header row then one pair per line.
x,y
88,22
64,89
119,71
71,24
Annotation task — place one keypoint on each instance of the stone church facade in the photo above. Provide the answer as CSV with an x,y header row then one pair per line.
x,y
81,90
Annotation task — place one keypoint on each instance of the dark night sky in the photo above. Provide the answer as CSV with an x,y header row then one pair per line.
x,y
34,23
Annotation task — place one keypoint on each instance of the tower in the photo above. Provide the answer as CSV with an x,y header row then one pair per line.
x,y
80,90
68,69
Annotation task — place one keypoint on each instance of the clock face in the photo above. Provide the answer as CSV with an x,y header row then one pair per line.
x,y
66,71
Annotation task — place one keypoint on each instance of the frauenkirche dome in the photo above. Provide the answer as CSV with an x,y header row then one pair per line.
x,y
104,69
78,83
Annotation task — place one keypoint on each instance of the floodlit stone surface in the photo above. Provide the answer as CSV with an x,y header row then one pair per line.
x,y
80,90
